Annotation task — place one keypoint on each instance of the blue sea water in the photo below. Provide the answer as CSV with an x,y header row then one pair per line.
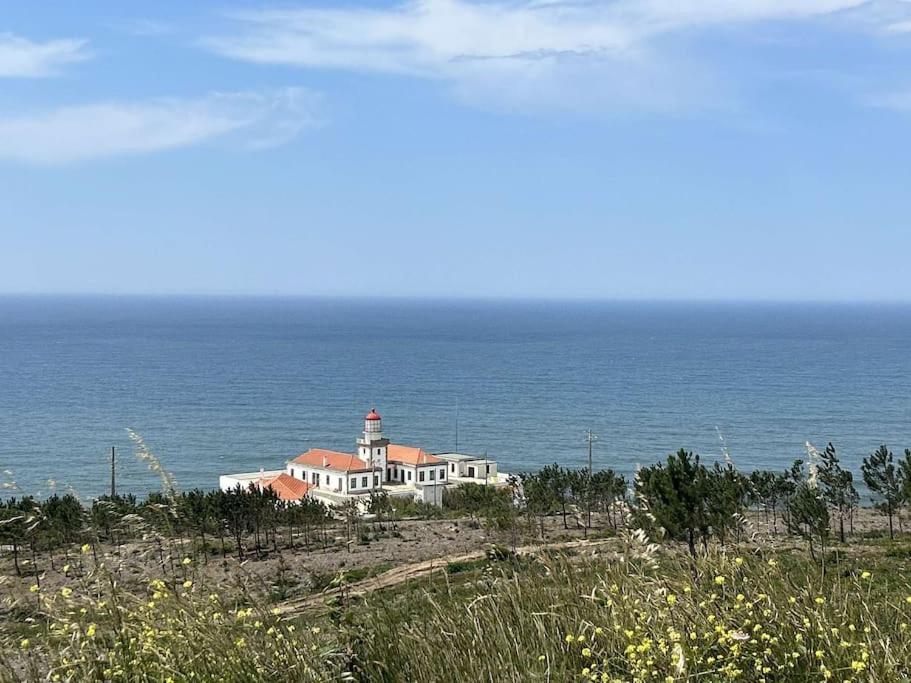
x,y
228,385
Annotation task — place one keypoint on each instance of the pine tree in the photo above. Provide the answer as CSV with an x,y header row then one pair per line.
x,y
808,516
904,477
880,477
837,487
674,495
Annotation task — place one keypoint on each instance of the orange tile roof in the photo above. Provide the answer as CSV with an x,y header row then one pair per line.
x,y
286,487
331,460
409,455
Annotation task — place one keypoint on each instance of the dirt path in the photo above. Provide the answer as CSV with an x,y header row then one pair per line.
x,y
407,572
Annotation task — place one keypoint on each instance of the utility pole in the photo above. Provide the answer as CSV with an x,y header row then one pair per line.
x,y
590,437
113,472
457,426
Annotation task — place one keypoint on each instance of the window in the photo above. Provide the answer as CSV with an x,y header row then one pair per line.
x,y
292,471
364,482
452,468
471,472
376,480
443,473
433,474
421,475
409,476
353,483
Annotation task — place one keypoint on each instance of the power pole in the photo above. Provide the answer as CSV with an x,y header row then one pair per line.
x,y
457,426
590,437
113,472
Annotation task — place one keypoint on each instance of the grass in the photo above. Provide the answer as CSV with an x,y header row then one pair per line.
x,y
748,615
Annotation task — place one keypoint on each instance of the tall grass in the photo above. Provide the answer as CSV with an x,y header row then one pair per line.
x,y
627,617
746,619
173,630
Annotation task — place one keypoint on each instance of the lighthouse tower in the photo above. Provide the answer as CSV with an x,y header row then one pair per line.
x,y
371,446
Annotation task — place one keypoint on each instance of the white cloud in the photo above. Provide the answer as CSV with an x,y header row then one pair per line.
x,y
82,132
899,101
146,28
565,53
23,58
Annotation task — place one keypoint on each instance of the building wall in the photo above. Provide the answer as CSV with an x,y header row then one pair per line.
x,y
480,469
330,480
431,474
226,482
432,495
360,482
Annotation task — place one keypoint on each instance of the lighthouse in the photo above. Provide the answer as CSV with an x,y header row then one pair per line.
x,y
371,446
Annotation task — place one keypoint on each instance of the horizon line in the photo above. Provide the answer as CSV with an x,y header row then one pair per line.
x,y
449,298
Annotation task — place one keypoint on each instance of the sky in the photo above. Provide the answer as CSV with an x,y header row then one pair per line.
x,y
592,149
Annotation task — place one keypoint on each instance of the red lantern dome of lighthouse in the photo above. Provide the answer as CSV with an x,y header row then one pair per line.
x,y
372,415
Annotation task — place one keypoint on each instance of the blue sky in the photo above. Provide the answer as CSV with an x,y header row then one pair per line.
x,y
707,149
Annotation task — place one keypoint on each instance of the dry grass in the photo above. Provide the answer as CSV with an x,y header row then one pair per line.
x,y
634,614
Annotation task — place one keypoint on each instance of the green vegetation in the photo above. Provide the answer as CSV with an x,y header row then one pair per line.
x,y
882,479
644,615
679,586
251,521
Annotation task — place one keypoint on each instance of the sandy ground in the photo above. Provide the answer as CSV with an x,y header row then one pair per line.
x,y
286,574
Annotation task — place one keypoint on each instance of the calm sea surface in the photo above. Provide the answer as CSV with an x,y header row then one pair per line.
x,y
219,385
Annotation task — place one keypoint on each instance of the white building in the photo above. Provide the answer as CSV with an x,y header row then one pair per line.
x,y
378,465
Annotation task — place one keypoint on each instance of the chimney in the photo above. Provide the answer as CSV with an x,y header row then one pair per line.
x,y
325,460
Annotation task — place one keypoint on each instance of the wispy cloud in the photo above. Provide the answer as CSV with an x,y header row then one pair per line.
x,y
146,28
515,52
898,101
20,57
90,131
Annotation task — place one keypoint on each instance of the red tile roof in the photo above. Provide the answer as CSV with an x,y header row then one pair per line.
x,y
286,487
409,455
331,460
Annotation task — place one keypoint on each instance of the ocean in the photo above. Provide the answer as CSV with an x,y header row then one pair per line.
x,y
220,385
